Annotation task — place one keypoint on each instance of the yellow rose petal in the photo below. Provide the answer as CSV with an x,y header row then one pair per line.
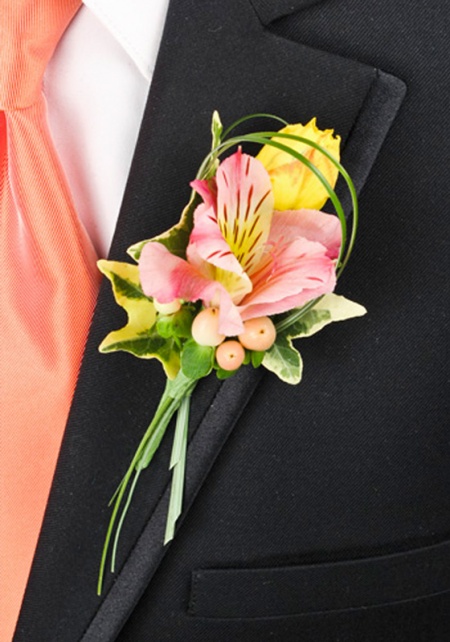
x,y
294,185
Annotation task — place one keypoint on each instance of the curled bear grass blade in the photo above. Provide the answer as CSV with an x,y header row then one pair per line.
x,y
138,336
244,119
265,138
345,175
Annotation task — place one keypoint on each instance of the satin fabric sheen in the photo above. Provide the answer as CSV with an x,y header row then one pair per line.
x,y
49,285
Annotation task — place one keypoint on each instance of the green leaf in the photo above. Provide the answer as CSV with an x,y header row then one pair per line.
x,y
175,325
310,322
164,327
331,307
257,358
138,336
284,360
225,374
145,346
196,361
124,278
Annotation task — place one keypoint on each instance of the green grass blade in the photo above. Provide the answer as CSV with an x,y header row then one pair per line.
x,y
164,403
295,315
244,119
178,463
122,519
265,138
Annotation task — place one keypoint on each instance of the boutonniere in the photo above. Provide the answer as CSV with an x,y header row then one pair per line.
x,y
251,266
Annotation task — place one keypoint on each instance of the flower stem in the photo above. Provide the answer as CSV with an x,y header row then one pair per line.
x,y
178,465
171,399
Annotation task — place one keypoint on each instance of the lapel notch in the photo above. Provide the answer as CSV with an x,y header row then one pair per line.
x,y
270,10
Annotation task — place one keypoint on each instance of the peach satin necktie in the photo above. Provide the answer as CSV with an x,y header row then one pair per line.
x,y
48,286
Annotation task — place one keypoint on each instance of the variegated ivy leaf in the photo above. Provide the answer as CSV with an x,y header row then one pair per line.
x,y
283,358
331,307
176,239
138,336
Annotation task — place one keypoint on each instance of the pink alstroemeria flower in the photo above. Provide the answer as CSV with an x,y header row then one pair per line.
x,y
243,257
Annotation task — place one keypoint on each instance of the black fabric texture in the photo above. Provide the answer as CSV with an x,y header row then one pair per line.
x,y
296,590
268,11
349,466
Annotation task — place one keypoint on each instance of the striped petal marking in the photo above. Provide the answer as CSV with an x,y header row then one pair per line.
x,y
244,207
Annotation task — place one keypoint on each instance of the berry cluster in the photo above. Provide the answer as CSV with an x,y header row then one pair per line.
x,y
259,335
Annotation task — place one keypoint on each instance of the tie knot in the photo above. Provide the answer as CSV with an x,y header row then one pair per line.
x,y
29,33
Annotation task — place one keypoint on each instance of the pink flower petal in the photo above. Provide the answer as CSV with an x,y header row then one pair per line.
x,y
209,243
207,189
165,277
296,273
289,303
244,206
230,320
207,247
309,224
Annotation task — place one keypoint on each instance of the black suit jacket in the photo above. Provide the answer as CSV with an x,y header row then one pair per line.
x,y
314,513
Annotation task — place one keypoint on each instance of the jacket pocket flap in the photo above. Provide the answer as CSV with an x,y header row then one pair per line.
x,y
299,590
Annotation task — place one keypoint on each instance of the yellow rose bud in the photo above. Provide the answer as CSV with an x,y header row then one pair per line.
x,y
294,185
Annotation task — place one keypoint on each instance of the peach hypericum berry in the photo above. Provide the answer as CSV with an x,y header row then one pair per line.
x,y
205,328
259,334
230,355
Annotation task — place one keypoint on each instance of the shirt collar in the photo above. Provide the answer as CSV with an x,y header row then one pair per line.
x,y
136,24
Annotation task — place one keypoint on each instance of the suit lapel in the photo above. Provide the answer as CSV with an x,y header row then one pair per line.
x,y
269,11
213,55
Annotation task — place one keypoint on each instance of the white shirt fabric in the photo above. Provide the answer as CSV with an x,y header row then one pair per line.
x,y
96,87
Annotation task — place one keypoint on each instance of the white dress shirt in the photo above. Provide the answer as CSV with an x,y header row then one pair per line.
x,y
96,87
